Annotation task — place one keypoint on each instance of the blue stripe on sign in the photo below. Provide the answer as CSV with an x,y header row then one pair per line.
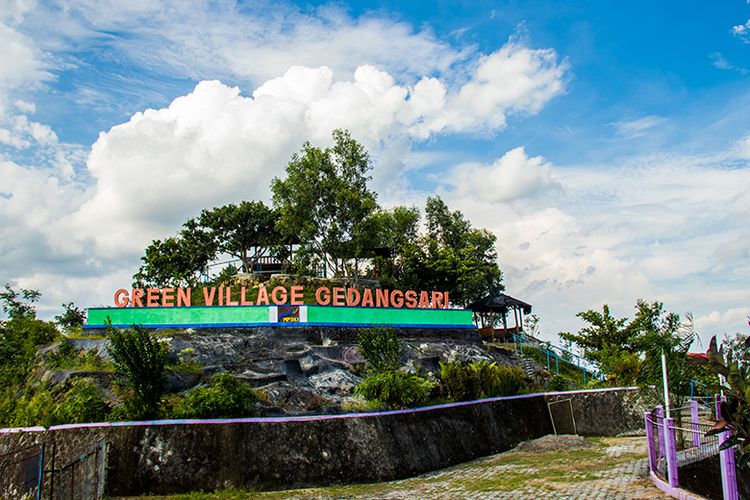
x,y
250,325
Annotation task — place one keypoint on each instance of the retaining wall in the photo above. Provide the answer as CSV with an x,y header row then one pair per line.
x,y
273,453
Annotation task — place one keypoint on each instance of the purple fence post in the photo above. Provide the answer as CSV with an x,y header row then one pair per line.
x,y
694,421
670,446
728,470
647,416
659,414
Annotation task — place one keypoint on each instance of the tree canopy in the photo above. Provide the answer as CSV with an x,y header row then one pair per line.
x,y
630,351
325,202
325,211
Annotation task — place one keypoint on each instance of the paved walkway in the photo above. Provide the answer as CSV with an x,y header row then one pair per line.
x,y
615,468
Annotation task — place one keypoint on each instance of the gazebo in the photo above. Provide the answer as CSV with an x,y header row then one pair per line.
x,y
497,305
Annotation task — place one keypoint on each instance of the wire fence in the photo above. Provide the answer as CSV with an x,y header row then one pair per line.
x,y
35,472
682,456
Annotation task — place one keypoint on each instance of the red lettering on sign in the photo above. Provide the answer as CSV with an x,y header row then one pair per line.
x,y
297,295
121,297
167,297
184,296
323,296
339,296
397,298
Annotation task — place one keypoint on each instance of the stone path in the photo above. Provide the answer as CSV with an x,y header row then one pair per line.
x,y
616,468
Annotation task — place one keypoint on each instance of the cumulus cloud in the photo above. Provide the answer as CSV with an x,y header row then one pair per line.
x,y
614,235
215,145
144,177
510,177
22,63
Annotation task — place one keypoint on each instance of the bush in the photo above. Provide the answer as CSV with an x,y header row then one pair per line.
x,y
558,382
84,402
140,361
226,397
396,389
476,380
381,348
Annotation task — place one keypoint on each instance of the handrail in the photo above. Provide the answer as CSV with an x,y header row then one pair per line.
x,y
547,348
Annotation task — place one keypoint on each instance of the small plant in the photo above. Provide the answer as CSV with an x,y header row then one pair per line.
x,y
83,402
396,389
226,397
558,382
381,348
140,361
479,379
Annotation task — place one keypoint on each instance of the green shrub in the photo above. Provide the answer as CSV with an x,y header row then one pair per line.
x,y
476,380
381,348
226,397
396,389
68,357
33,409
140,360
83,402
558,382
595,383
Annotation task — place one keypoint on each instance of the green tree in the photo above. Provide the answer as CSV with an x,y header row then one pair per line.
x,y
660,332
604,334
177,260
246,231
455,256
324,201
397,238
19,305
71,318
140,362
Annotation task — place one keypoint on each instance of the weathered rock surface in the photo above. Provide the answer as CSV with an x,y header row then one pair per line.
x,y
301,369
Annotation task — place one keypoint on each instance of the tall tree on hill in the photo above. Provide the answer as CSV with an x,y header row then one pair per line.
x,y
246,231
325,202
177,260
456,256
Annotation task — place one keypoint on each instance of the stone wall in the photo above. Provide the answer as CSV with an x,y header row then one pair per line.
x,y
274,453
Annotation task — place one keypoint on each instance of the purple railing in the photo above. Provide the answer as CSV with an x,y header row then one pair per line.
x,y
671,445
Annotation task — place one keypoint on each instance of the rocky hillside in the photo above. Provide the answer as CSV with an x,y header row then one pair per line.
x,y
298,370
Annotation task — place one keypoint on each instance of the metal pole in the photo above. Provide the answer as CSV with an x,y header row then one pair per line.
x,y
694,421
40,477
666,383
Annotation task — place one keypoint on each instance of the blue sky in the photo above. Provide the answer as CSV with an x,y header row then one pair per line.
x,y
611,139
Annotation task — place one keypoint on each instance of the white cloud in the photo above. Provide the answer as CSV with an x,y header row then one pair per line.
x,y
742,31
721,62
630,129
669,228
21,63
720,319
20,132
214,146
245,42
511,177
513,79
